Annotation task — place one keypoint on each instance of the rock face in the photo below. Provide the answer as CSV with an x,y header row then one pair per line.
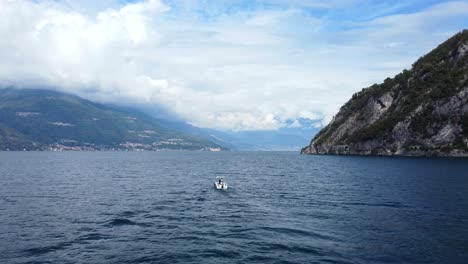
x,y
419,112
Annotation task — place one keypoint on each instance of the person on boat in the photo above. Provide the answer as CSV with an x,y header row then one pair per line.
x,y
219,181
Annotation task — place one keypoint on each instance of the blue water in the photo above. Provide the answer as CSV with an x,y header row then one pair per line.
x,y
161,207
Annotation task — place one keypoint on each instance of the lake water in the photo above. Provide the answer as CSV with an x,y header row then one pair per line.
x,y
161,207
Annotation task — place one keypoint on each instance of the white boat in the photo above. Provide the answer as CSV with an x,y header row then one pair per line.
x,y
220,183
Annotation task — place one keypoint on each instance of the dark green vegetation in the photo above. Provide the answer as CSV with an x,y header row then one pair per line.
x,y
34,119
425,109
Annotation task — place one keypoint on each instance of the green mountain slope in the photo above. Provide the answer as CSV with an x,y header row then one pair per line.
x,y
44,119
422,111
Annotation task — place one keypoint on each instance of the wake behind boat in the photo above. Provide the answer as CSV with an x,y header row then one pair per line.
x,y
220,183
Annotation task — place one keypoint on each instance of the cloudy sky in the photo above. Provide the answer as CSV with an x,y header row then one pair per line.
x,y
224,64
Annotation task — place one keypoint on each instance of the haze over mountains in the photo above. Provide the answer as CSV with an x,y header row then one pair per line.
x,y
32,119
38,119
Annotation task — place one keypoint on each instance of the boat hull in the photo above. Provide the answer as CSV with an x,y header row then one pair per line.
x,y
221,186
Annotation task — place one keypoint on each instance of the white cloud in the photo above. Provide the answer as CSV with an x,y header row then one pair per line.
x,y
248,69
308,115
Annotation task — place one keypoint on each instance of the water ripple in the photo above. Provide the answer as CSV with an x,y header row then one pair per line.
x,y
108,207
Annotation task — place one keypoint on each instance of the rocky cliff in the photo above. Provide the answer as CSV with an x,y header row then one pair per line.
x,y
419,112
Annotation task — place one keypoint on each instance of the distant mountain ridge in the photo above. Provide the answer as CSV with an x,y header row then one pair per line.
x,y
37,119
283,139
419,112
40,119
